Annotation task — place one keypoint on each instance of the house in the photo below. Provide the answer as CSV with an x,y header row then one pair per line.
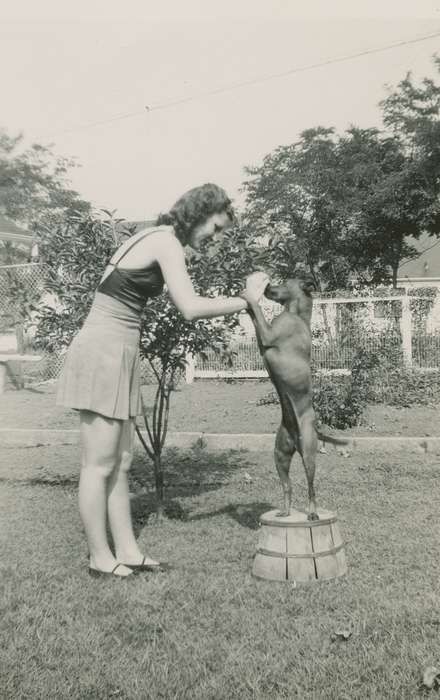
x,y
10,232
424,270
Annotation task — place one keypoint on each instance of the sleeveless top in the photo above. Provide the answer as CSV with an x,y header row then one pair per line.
x,y
132,287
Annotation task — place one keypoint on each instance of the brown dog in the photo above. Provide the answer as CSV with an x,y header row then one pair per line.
x,y
286,348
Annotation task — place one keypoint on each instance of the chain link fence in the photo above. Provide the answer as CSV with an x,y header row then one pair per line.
x,y
22,285
399,324
18,283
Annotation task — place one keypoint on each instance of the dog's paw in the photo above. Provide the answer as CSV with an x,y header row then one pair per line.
x,y
343,452
313,516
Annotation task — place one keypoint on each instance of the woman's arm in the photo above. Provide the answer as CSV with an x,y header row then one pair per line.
x,y
171,258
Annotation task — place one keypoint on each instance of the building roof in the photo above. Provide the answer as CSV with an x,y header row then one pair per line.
x,y
426,265
9,231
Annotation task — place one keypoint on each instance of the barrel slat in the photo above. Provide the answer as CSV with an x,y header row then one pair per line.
x,y
299,541
326,567
273,568
336,534
273,539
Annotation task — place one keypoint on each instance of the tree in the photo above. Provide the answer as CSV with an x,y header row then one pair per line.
x,y
76,255
294,199
12,254
386,200
167,339
411,112
34,192
345,205
34,187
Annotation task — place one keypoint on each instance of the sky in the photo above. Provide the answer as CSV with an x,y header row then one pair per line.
x,y
153,98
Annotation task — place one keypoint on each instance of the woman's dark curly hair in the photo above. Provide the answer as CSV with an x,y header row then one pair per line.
x,y
193,208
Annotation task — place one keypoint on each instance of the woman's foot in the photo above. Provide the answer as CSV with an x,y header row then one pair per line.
x,y
110,567
117,572
133,559
143,564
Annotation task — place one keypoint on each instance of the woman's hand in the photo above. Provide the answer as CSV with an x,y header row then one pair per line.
x,y
256,283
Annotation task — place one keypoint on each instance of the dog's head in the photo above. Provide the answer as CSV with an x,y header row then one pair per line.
x,y
295,294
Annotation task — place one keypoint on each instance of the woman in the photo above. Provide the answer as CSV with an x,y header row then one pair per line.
x,y
100,377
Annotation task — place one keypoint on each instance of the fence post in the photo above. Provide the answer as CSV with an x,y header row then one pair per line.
x,y
190,368
405,330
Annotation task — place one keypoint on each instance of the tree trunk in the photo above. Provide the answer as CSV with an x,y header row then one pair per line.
x,y
19,336
396,260
323,307
158,479
395,269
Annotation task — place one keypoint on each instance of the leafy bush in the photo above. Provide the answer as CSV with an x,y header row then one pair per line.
x,y
339,400
407,387
394,383
76,254
378,374
331,401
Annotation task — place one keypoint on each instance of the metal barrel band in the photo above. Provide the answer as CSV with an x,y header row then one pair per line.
x,y
309,523
306,555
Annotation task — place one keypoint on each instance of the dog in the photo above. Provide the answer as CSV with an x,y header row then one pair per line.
x,y
285,346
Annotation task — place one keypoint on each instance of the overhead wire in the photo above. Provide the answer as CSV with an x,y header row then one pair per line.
x,y
420,252
291,71
246,83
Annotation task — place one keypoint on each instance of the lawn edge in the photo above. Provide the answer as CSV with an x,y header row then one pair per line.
x,y
252,442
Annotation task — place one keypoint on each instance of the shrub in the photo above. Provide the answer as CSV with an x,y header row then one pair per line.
x,y
407,387
376,376
339,400
331,401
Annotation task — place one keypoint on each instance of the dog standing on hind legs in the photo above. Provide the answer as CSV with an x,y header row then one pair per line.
x,y
286,349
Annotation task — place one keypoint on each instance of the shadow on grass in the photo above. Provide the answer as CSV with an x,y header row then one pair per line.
x,y
53,480
34,390
245,514
187,473
143,510
15,382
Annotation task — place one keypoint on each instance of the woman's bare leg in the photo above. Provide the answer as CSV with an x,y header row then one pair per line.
x,y
100,439
118,503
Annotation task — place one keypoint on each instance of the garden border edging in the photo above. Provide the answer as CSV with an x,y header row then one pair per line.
x,y
253,442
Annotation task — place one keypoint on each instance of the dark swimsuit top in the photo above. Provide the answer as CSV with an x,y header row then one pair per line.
x,y
132,287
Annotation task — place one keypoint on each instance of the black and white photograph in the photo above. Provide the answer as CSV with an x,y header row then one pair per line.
x,y
220,350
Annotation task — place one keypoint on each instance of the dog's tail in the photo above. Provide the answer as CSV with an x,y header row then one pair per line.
x,y
331,439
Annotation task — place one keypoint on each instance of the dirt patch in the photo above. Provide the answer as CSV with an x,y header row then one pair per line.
x,y
213,407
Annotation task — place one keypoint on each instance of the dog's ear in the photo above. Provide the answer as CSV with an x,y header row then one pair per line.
x,y
308,285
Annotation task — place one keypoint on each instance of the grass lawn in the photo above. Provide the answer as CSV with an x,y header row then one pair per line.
x,y
207,629
214,407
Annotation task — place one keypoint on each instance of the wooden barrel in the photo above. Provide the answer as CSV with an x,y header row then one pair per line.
x,y
292,548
